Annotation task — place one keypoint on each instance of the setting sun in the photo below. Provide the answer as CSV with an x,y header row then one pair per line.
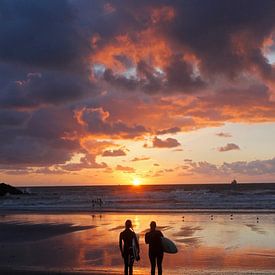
x,y
136,182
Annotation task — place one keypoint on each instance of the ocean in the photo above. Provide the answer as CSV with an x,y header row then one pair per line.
x,y
177,198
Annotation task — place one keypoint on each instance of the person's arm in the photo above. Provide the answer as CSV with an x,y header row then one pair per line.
x,y
161,234
147,238
136,240
120,244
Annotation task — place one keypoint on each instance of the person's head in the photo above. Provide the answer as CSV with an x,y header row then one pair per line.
x,y
153,225
128,224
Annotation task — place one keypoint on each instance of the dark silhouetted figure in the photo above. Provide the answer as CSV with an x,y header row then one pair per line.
x,y
127,236
153,238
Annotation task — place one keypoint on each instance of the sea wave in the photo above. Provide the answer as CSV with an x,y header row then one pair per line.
x,y
146,198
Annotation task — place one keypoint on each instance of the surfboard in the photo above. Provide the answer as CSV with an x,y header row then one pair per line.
x,y
135,250
168,246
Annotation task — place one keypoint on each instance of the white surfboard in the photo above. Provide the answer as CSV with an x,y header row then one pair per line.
x,y
168,246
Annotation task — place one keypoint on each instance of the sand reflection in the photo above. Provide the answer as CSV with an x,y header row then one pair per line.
x,y
90,242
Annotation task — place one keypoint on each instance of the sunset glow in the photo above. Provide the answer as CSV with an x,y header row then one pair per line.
x,y
164,91
136,182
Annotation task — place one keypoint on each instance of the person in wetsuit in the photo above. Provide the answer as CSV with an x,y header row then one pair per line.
x,y
153,238
126,237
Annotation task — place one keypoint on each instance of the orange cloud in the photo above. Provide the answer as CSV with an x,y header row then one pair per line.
x,y
165,143
140,158
147,45
125,169
113,153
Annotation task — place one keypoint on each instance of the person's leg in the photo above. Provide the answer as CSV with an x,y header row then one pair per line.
x,y
130,269
152,258
131,263
159,263
126,264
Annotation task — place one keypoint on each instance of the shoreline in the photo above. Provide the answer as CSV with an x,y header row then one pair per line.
x,y
12,271
137,211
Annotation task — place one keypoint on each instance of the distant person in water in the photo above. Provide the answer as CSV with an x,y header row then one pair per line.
x,y
153,238
126,239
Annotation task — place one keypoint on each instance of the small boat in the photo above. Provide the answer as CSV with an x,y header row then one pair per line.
x,y
234,182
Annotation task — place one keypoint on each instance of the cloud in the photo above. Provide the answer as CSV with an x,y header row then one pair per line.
x,y
41,33
30,151
252,168
74,75
113,153
229,147
10,118
86,162
256,167
234,43
189,52
140,158
165,143
177,77
223,134
172,130
188,160
125,169
48,171
202,167
47,88
96,122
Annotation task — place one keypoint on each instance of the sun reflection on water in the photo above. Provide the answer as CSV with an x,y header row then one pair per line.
x,y
204,242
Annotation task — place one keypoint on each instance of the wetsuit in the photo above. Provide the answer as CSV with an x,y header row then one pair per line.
x,y
127,237
153,238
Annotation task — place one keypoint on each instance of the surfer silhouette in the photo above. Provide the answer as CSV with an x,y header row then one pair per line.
x,y
129,247
153,238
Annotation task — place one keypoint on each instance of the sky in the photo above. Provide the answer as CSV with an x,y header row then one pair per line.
x,y
123,91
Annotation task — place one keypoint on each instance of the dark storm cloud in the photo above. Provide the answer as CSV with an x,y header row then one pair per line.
x,y
42,54
38,89
177,77
226,38
38,139
12,118
29,151
122,19
97,123
180,76
120,81
53,124
208,29
41,33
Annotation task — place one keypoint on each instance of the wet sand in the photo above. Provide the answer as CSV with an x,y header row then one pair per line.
x,y
218,243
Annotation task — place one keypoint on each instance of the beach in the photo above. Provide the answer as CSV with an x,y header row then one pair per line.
x,y
87,243
150,110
